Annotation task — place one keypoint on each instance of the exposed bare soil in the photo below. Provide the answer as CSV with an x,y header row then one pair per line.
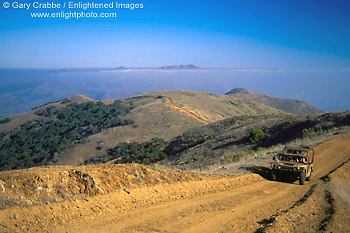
x,y
135,198
194,114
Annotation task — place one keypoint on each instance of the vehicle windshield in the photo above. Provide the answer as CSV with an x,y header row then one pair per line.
x,y
290,158
291,151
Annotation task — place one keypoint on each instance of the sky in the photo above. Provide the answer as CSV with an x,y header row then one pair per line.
x,y
253,34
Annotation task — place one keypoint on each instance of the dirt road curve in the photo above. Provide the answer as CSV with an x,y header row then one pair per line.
x,y
249,203
261,206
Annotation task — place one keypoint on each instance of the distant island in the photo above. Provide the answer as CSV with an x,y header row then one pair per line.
x,y
180,67
122,68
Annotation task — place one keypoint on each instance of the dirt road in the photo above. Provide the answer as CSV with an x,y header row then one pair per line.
x,y
237,210
248,203
194,114
261,206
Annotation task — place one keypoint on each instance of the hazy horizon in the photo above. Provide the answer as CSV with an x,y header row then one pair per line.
x,y
289,49
23,89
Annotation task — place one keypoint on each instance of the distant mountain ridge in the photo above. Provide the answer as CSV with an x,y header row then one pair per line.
x,y
122,68
296,107
180,67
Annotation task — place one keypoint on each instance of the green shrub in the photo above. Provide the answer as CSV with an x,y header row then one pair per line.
x,y
231,103
256,135
260,149
312,132
5,120
143,153
188,93
197,135
232,158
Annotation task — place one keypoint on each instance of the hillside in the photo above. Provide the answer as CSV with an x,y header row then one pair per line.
x,y
230,140
163,115
154,115
295,107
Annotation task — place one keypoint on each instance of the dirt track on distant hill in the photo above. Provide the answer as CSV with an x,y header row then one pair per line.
x,y
248,203
197,115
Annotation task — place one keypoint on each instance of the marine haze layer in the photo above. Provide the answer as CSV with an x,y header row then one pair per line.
x,y
23,89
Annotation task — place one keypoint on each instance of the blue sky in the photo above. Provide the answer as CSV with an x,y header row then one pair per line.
x,y
254,34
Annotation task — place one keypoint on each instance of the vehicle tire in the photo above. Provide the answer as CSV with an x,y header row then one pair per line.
x,y
309,177
273,176
302,178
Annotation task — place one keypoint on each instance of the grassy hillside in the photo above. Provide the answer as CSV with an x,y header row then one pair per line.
x,y
236,137
295,107
211,108
162,115
73,130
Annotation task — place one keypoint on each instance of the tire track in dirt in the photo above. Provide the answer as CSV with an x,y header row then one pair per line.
x,y
218,212
326,177
265,223
329,211
329,197
197,116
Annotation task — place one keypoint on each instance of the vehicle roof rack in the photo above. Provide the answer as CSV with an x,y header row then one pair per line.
x,y
297,148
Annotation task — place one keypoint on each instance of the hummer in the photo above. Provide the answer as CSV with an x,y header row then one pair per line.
x,y
296,161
